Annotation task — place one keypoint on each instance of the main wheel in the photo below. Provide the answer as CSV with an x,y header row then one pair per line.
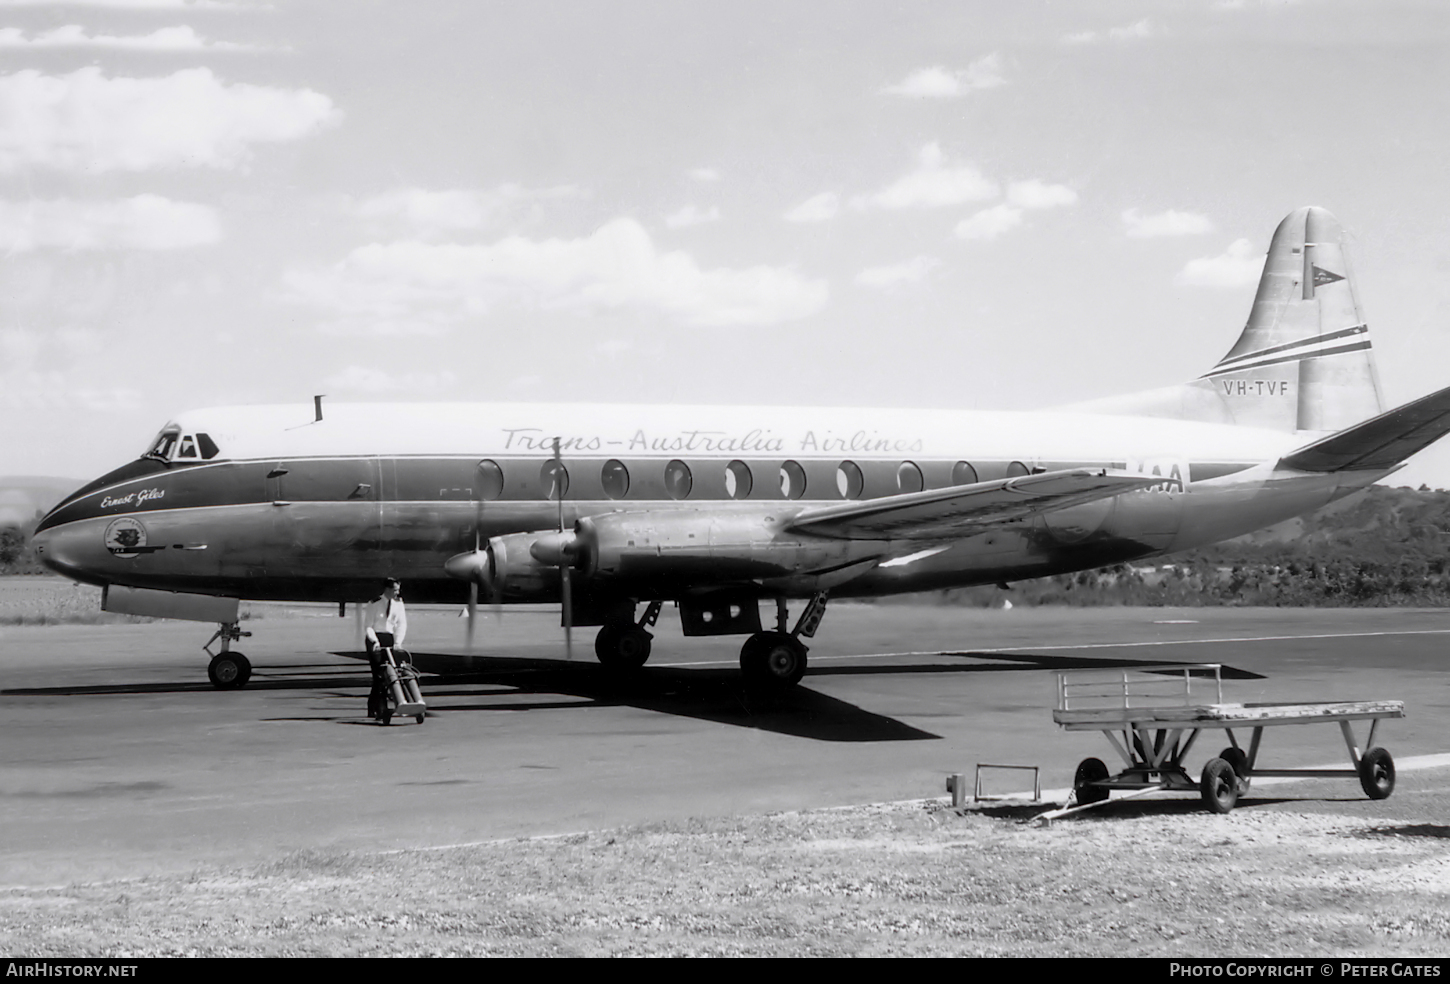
x,y
773,659
1377,774
1089,771
622,647
1238,760
229,671
1219,786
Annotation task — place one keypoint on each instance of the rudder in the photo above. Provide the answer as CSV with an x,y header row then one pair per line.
x,y
1304,361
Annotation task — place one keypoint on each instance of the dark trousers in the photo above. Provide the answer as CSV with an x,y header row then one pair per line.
x,y
379,694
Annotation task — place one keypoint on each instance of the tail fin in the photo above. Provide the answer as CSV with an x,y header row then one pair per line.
x,y
1303,362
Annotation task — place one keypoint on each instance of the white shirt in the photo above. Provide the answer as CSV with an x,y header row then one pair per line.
x,y
387,615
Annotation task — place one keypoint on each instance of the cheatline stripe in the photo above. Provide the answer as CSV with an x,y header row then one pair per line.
x,y
987,653
1313,339
1338,350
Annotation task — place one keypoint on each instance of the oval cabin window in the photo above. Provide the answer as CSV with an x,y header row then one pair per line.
x,y
554,478
490,480
1017,469
678,479
908,477
964,474
615,479
792,480
738,480
849,480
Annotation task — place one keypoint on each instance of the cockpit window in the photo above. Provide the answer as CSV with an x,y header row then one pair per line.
x,y
165,443
209,450
188,447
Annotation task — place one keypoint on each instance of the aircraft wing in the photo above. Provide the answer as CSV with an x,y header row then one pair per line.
x,y
963,510
1380,442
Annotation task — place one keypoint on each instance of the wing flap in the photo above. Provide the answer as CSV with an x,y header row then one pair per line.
x,y
962,510
1380,442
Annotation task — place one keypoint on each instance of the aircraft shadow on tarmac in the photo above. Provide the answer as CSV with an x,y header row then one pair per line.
x,y
704,693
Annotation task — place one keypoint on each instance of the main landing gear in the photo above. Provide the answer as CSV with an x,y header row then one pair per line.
x,y
229,670
777,660
625,645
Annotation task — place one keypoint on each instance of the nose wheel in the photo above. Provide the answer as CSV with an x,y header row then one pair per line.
x,y
228,669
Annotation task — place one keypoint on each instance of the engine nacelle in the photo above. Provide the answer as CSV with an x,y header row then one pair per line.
x,y
677,548
506,569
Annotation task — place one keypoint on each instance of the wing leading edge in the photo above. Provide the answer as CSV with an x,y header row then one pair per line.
x,y
963,510
1380,442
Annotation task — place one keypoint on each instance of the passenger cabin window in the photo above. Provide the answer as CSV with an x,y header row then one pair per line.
x,y
792,480
738,480
678,480
1017,469
849,480
964,474
908,477
490,480
615,479
554,477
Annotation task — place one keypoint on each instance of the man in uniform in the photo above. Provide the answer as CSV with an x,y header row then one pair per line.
x,y
387,624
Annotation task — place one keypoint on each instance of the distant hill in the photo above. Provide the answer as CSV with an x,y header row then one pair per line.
x,y
24,498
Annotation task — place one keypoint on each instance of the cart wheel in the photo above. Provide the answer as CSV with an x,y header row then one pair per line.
x,y
1238,760
387,716
1219,785
419,719
1377,774
1089,770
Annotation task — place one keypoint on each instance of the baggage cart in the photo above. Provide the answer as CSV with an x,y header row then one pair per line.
x,y
1152,716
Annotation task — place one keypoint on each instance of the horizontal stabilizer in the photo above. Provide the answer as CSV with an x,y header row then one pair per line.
x,y
1380,442
962,510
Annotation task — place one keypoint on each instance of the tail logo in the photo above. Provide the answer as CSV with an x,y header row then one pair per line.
x,y
1322,277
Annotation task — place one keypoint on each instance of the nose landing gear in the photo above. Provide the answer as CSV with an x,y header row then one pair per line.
x,y
229,669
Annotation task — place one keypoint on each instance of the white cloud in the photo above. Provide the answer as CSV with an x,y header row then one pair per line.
x,y
705,174
817,208
432,212
989,223
165,39
905,273
87,122
939,82
25,385
690,215
368,379
142,222
1169,223
1035,194
1238,266
1128,32
618,266
934,184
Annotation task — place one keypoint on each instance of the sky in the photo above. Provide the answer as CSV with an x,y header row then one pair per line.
x,y
970,205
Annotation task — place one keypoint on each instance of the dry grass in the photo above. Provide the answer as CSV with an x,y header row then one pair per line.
x,y
895,880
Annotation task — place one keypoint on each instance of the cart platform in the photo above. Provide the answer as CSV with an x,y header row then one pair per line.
x,y
1152,716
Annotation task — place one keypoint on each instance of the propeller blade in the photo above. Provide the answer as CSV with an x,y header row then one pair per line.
x,y
472,611
565,560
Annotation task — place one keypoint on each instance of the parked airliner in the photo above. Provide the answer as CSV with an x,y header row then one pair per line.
x,y
611,507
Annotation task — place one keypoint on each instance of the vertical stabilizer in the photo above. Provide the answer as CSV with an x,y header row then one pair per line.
x,y
1304,360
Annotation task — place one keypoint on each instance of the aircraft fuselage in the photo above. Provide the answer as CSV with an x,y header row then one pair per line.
x,y
287,509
